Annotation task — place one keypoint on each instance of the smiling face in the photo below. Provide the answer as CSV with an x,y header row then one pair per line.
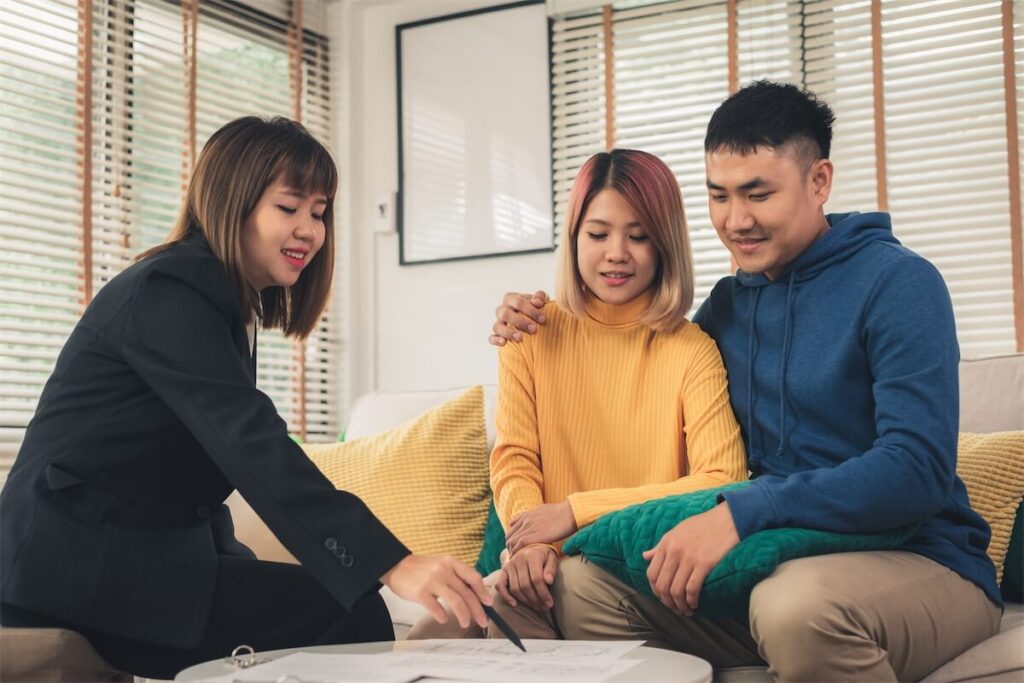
x,y
281,236
616,258
767,206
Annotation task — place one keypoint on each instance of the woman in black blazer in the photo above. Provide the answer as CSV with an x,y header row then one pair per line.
x,y
112,521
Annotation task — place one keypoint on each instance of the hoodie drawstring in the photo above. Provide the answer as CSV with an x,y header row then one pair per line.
x,y
750,372
783,362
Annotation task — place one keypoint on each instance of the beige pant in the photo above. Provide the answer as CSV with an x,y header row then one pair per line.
x,y
871,616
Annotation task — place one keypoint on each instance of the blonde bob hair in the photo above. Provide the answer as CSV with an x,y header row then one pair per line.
x,y
651,190
237,164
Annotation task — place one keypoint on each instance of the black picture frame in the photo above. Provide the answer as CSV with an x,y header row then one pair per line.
x,y
431,234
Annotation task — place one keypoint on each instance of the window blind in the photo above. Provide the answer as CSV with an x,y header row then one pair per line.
x,y
770,40
1018,59
41,275
671,71
138,123
837,66
825,46
243,69
940,160
326,402
1018,52
577,101
158,111
946,138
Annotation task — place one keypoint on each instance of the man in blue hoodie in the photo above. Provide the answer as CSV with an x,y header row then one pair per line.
x,y
842,356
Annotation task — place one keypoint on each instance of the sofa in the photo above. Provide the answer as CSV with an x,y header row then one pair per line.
x,y
992,400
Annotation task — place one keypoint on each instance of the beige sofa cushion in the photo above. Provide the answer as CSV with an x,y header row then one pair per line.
x,y
992,394
996,660
52,654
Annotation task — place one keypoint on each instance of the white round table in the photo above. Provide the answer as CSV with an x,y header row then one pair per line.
x,y
656,665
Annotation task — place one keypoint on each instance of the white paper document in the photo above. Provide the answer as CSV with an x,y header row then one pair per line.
x,y
565,661
566,650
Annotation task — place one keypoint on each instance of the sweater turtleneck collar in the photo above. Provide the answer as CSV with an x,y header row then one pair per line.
x,y
618,315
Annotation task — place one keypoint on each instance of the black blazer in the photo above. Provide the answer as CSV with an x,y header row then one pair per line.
x,y
112,517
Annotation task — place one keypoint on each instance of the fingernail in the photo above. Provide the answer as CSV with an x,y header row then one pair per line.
x,y
515,335
531,327
541,318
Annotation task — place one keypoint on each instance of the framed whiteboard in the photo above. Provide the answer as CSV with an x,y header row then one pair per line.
x,y
474,134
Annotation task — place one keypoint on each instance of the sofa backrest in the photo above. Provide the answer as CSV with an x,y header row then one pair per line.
x,y
380,411
991,400
992,394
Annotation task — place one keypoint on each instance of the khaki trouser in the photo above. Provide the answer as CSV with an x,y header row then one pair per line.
x,y
870,616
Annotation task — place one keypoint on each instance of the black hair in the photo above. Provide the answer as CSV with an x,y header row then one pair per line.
x,y
768,114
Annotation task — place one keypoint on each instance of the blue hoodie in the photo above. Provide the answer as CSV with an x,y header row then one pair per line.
x,y
843,376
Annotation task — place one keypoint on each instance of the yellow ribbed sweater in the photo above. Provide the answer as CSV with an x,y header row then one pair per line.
x,y
606,413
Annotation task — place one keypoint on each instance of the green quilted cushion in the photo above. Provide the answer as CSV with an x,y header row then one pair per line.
x,y
617,540
494,543
1013,569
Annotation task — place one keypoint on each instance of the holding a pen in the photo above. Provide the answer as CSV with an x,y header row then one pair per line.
x,y
153,417
426,579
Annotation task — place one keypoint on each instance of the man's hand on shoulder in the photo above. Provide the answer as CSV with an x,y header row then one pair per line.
x,y
685,556
518,313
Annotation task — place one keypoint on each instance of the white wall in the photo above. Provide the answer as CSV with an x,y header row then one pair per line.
x,y
408,327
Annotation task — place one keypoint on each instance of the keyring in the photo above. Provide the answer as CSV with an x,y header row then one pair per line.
x,y
243,657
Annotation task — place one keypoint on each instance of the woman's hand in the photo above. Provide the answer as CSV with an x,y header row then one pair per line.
x,y
548,523
517,312
425,578
526,577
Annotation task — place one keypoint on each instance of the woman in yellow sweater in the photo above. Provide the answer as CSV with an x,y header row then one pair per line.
x,y
618,399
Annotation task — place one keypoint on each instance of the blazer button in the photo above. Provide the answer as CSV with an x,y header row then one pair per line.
x,y
346,560
331,544
203,511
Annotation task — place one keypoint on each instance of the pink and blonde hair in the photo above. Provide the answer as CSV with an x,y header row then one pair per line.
x,y
651,190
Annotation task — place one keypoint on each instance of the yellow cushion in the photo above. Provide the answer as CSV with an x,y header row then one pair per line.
x,y
427,480
992,467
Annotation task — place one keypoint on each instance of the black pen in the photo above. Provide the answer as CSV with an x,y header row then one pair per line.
x,y
503,627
